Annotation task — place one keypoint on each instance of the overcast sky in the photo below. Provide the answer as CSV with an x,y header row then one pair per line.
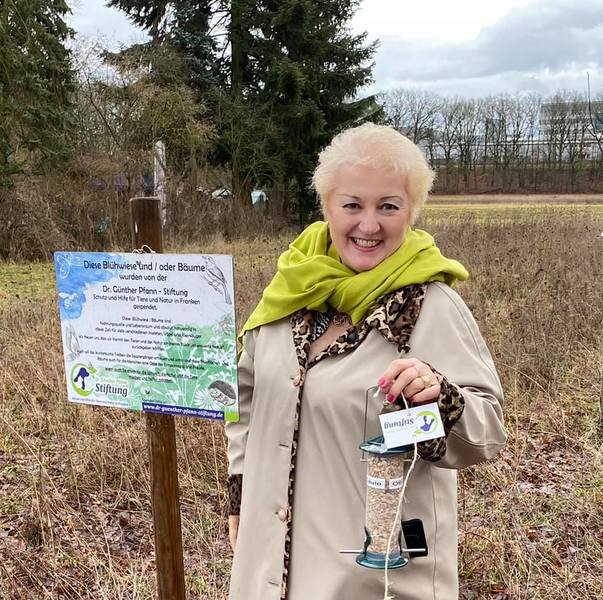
x,y
465,47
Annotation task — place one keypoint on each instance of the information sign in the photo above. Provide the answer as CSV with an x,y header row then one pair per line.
x,y
149,332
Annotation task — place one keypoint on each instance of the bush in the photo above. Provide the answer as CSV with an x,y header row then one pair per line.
x,y
44,215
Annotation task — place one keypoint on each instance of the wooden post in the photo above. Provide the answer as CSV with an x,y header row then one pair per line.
x,y
161,438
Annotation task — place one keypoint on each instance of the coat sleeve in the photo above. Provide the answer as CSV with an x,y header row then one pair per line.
x,y
457,350
236,433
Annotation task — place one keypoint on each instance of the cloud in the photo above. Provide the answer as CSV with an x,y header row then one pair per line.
x,y
541,46
534,46
93,20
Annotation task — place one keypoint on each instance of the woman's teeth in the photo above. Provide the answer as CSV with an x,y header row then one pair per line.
x,y
366,243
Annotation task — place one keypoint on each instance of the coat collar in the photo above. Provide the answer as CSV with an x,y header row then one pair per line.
x,y
394,316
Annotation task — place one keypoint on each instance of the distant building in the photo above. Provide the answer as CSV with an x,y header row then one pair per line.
x,y
575,115
573,122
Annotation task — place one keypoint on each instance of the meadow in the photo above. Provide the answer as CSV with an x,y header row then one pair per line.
x,y
75,519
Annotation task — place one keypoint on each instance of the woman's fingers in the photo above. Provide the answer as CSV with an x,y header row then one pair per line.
x,y
404,380
414,387
427,395
395,368
398,375
411,377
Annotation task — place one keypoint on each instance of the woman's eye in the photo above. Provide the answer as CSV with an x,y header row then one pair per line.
x,y
389,207
351,205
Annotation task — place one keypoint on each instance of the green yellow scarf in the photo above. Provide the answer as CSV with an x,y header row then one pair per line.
x,y
310,274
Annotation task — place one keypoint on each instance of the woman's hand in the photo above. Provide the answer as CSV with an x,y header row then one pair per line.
x,y
233,530
411,377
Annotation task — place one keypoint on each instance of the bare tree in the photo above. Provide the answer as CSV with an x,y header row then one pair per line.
x,y
468,138
412,112
505,142
448,125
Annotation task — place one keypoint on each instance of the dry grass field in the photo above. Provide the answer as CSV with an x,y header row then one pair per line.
x,y
74,491
518,199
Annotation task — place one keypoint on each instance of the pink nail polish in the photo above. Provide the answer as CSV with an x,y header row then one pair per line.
x,y
390,398
381,381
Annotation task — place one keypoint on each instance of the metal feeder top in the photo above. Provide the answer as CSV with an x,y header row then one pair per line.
x,y
377,446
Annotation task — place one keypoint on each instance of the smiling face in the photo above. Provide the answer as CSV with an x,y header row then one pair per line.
x,y
368,211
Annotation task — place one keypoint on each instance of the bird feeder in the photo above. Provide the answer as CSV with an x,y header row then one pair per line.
x,y
384,479
386,470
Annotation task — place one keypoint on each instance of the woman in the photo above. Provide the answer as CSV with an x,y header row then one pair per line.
x,y
358,301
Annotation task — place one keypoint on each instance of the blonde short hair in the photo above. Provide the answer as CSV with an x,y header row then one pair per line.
x,y
375,146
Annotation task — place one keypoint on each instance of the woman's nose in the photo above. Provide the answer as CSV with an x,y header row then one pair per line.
x,y
369,224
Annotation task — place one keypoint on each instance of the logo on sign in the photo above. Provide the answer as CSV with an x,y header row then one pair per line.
x,y
82,379
84,383
427,422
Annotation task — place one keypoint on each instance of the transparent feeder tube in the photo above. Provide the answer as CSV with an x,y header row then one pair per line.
x,y
385,475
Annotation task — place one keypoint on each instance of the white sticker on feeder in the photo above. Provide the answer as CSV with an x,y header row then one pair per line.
x,y
416,424
375,482
396,484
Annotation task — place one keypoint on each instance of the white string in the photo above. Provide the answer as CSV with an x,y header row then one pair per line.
x,y
386,595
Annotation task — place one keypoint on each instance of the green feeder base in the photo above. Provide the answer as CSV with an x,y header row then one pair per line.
x,y
376,560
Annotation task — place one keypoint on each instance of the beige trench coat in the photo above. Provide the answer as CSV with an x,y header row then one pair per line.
x,y
329,501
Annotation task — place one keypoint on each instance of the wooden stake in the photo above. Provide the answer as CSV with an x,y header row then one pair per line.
x,y
161,438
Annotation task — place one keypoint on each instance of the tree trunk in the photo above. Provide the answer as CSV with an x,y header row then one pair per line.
x,y
239,192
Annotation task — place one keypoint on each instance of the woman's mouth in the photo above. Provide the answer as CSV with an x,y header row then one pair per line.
x,y
363,244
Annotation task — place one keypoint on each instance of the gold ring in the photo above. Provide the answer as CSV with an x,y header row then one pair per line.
x,y
428,381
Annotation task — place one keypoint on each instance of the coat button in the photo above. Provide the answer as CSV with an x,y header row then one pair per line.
x,y
352,337
297,380
282,514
